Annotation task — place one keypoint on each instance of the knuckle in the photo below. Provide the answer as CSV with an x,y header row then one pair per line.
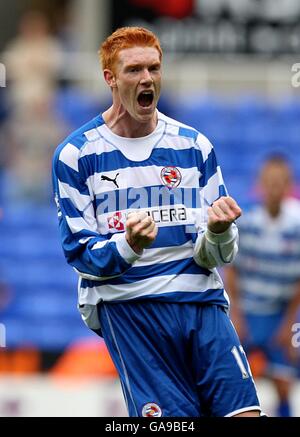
x,y
148,220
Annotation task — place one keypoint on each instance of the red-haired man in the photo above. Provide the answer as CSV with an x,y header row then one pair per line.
x,y
145,220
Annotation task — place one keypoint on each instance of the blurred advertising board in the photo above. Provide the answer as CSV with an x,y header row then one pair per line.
x,y
265,27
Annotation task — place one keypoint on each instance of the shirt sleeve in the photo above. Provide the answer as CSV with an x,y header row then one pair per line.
x,y
210,249
215,250
92,255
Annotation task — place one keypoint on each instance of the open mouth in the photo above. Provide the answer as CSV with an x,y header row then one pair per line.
x,y
145,98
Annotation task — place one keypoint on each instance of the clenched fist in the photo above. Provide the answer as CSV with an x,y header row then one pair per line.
x,y
141,230
222,213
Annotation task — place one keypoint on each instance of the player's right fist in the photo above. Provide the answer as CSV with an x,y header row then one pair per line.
x,y
222,213
141,230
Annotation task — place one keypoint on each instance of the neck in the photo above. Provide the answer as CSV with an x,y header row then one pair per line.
x,y
120,122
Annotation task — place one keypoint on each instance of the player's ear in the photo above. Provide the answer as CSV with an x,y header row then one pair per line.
x,y
109,78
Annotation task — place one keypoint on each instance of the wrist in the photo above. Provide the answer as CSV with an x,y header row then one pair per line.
x,y
220,237
135,247
124,248
218,228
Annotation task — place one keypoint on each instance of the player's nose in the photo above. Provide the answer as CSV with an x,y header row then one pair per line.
x,y
146,77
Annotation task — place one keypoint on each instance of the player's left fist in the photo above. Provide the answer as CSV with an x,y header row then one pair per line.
x,y
222,213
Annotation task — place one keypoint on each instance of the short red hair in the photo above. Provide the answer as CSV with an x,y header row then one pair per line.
x,y
125,38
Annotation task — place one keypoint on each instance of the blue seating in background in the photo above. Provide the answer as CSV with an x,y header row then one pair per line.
x,y
48,334
77,107
288,110
42,309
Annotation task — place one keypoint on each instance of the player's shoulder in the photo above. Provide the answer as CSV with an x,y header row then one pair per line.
x,y
74,143
291,211
176,128
292,205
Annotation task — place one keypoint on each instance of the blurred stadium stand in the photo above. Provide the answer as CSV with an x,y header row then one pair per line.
x,y
42,310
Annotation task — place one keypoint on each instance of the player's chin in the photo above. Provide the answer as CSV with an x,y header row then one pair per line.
x,y
145,116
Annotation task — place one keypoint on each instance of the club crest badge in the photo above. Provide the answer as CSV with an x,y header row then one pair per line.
x,y
170,176
151,410
116,222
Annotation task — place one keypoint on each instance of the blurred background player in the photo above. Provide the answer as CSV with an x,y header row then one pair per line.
x,y
32,59
264,282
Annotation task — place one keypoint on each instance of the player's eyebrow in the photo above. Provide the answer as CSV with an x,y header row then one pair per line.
x,y
140,65
155,64
133,65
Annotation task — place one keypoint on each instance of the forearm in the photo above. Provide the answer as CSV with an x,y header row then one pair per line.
x,y
215,250
99,259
